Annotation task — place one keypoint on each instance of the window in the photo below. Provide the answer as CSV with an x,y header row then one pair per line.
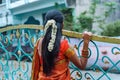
x,y
32,20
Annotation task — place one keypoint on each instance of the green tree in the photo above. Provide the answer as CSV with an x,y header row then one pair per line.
x,y
85,21
112,29
68,18
86,18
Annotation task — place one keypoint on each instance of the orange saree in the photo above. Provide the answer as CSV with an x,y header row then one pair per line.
x,y
61,69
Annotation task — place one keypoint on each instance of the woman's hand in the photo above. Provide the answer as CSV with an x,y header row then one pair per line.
x,y
86,39
87,36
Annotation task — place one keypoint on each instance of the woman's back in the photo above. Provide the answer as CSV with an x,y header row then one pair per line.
x,y
61,68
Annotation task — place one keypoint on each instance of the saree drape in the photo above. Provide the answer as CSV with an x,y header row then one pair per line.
x,y
61,69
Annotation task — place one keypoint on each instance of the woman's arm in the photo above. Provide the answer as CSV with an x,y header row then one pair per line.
x,y
81,63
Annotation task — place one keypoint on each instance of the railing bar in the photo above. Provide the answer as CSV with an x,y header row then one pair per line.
x,y
66,33
21,27
94,37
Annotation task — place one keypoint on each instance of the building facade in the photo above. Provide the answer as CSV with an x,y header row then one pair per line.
x,y
15,12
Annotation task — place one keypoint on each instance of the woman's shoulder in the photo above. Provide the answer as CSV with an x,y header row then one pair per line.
x,y
64,44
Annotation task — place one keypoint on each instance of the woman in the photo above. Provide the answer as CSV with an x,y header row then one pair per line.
x,y
52,53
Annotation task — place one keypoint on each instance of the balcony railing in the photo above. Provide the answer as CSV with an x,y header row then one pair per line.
x,y
16,3
11,4
16,52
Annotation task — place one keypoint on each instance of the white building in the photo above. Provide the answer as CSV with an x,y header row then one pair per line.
x,y
14,12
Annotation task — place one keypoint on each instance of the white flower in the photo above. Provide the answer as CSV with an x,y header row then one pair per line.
x,y
53,34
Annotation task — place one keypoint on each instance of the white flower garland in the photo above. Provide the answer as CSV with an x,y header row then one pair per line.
x,y
53,34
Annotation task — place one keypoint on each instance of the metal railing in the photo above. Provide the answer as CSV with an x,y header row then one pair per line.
x,y
16,52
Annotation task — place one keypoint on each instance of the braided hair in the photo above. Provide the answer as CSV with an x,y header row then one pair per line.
x,y
50,44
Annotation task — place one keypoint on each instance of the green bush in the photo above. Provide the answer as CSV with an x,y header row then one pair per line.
x,y
85,21
112,29
68,18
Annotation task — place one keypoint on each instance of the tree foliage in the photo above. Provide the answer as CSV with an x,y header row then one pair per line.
x,y
85,21
112,29
68,18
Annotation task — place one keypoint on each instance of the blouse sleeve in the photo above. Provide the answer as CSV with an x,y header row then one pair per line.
x,y
68,50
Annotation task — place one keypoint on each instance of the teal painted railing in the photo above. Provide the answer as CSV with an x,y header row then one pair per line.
x,y
16,52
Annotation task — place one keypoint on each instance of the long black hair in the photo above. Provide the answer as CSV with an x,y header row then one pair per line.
x,y
49,57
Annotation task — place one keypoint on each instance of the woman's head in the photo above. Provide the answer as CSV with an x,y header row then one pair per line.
x,y
55,15
51,42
